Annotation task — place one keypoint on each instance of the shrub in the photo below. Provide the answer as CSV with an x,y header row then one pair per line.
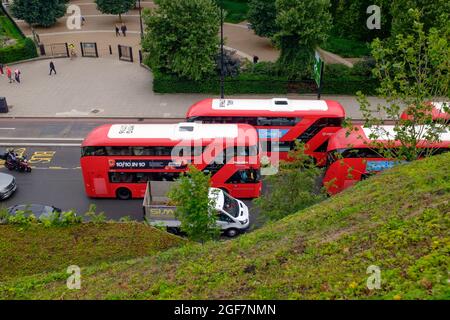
x,y
61,219
95,217
24,49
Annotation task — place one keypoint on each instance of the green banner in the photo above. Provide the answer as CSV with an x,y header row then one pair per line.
x,y
317,68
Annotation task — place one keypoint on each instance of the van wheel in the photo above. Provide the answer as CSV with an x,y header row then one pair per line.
x,y
232,232
123,194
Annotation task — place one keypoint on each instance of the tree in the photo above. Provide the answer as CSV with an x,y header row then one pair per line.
x,y
194,206
39,12
434,13
262,15
117,7
294,188
413,70
303,25
182,37
350,19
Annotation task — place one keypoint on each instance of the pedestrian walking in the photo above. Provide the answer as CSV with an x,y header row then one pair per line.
x,y
1,69
255,59
52,68
117,31
17,75
9,74
124,29
83,20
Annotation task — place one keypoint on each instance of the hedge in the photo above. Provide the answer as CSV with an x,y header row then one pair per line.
x,y
238,85
245,84
22,50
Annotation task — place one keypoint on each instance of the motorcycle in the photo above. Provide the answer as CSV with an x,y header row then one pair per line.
x,y
20,164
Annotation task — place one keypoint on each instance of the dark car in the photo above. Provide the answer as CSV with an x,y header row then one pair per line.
x,y
7,185
38,210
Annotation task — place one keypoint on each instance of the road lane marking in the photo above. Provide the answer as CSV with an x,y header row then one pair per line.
x,y
31,144
40,139
7,128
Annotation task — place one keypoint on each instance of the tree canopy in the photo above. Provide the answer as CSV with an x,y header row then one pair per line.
x,y
262,15
117,7
302,26
182,37
39,12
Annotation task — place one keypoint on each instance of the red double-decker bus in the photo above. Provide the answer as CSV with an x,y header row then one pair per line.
x,y
354,157
282,120
118,160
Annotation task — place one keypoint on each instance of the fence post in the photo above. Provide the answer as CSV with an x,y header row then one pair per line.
x,y
120,52
67,49
96,50
82,49
131,54
140,56
110,49
42,49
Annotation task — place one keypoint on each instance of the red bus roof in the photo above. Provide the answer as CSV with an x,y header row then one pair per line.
x,y
277,107
359,138
170,134
437,111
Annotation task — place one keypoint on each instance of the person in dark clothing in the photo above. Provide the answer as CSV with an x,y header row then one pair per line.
x,y
17,75
52,68
255,59
124,29
1,69
117,31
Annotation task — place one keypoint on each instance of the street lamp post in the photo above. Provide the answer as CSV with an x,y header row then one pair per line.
x,y
140,20
221,52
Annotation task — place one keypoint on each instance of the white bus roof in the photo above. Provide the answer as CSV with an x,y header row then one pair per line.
x,y
388,133
275,104
179,131
440,105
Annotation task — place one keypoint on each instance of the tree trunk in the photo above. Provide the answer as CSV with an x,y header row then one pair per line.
x,y
120,17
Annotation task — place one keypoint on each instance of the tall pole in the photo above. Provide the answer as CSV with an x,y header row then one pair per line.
x,y
140,20
221,52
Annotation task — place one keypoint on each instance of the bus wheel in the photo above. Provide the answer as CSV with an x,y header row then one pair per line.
x,y
231,232
123,194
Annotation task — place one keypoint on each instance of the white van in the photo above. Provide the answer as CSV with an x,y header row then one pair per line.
x,y
232,214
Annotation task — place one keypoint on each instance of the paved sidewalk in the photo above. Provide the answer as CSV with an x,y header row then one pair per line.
x,y
105,87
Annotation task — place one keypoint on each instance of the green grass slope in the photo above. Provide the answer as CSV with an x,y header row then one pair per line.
x,y
398,221
36,249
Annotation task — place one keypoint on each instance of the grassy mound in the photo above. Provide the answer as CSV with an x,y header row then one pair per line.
x,y
36,249
398,221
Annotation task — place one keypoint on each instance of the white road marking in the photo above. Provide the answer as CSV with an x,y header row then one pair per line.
x,y
7,128
40,139
31,144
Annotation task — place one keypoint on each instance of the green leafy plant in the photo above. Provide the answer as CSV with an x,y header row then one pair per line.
x,y
296,186
61,219
195,209
93,216
413,70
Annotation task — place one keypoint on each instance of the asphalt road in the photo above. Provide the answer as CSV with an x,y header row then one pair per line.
x,y
52,146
